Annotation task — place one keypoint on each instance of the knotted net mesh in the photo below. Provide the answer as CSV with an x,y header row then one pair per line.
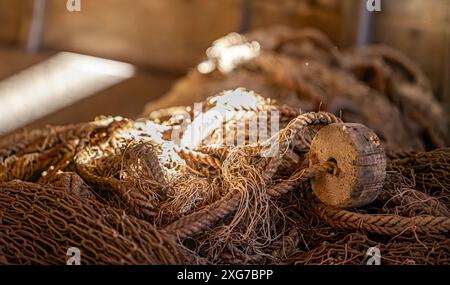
x,y
129,192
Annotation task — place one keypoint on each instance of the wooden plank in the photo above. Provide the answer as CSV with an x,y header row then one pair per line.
x,y
421,30
350,22
416,10
446,72
324,15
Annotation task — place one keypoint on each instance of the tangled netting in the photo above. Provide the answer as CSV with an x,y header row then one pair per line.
x,y
304,69
148,192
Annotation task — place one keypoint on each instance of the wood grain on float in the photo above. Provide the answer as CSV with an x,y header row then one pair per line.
x,y
360,161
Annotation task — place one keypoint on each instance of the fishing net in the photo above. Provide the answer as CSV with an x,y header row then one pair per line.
x,y
304,69
40,223
193,187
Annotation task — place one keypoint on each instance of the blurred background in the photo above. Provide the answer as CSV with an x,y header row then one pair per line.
x,y
114,56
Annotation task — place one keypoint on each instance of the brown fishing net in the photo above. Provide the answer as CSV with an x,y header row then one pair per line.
x,y
172,191
304,69
40,223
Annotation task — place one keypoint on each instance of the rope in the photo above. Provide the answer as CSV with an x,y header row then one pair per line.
x,y
300,176
288,135
200,157
137,202
202,220
390,225
396,155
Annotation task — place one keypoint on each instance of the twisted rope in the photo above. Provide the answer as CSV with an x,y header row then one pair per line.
x,y
200,157
298,177
286,136
202,220
390,225
137,201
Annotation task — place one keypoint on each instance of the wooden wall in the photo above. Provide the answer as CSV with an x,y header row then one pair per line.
x,y
169,35
421,29
172,35
338,19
